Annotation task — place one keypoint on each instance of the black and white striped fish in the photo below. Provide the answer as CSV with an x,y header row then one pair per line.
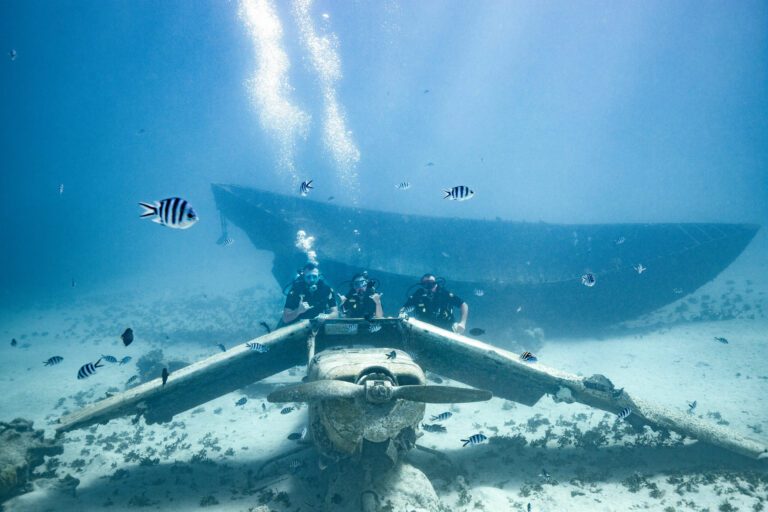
x,y
109,359
403,185
435,427
442,416
125,360
173,212
624,413
258,347
88,369
588,280
459,193
53,360
295,465
374,328
528,357
305,187
474,439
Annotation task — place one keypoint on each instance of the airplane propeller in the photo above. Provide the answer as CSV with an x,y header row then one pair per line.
x,y
377,391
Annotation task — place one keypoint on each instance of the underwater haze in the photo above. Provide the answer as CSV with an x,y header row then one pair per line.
x,y
589,112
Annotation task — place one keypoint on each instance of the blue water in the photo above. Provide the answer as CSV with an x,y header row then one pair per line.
x,y
591,112
564,112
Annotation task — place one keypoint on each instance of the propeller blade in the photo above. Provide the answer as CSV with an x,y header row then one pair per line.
x,y
316,390
441,394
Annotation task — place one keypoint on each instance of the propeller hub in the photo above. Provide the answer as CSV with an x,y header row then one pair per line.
x,y
378,391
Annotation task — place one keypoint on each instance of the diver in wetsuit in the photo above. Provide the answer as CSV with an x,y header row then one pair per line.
x,y
310,297
362,300
434,304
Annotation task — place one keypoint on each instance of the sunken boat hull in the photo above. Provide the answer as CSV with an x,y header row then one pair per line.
x,y
529,273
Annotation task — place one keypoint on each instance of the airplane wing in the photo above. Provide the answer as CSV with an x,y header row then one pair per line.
x,y
488,367
200,382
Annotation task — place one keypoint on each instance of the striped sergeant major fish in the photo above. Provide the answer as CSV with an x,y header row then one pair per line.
x,y
53,361
258,347
173,212
88,369
624,413
109,359
305,187
474,439
403,185
459,193
528,357
442,416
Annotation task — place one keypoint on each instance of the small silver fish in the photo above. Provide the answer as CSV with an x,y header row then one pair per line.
x,y
305,187
479,292
403,185
620,240
125,360
692,406
225,241
639,268
588,280
61,189
12,54
374,328
109,359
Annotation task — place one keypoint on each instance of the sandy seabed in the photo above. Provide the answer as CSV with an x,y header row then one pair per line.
x,y
557,457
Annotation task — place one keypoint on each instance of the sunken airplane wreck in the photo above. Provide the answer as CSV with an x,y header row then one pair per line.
x,y
366,390
530,273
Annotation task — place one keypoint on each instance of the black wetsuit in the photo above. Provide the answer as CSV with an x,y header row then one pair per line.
x,y
359,305
435,308
321,300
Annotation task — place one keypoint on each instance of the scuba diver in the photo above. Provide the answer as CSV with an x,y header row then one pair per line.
x,y
310,297
434,304
362,300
